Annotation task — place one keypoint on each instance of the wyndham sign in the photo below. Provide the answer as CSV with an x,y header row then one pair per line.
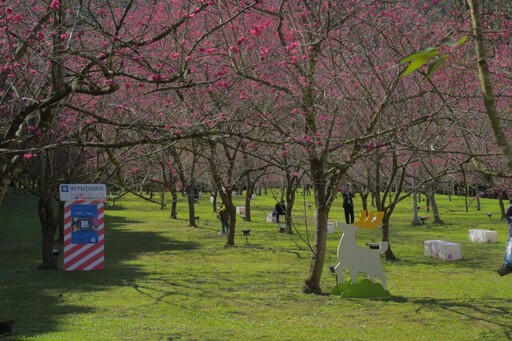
x,y
74,192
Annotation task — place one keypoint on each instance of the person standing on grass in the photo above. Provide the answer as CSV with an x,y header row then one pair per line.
x,y
279,210
348,206
223,216
507,261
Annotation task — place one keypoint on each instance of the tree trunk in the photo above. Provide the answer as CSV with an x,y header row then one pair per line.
x,y
248,205
466,190
312,282
385,237
48,229
478,207
45,210
170,186
248,196
224,190
324,196
174,203
486,84
435,209
290,201
60,222
415,220
364,200
502,205
228,202
191,206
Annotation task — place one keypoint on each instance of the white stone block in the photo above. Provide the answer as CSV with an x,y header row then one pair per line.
x,y
271,219
475,236
212,199
449,251
483,236
442,250
491,236
432,248
253,197
330,227
240,210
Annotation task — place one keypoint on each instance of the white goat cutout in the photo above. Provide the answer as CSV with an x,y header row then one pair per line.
x,y
356,258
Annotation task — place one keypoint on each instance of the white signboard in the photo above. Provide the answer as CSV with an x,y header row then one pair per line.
x,y
74,192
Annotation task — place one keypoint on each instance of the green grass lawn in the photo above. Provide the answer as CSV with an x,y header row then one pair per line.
x,y
166,281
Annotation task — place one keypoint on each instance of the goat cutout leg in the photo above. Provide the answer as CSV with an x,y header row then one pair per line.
x,y
339,273
353,276
382,278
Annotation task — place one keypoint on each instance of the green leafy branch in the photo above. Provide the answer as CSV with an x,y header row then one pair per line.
x,y
420,58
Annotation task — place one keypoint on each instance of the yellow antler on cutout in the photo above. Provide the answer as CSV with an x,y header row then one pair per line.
x,y
370,222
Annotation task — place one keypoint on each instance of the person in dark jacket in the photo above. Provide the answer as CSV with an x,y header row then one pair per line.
x,y
223,216
348,207
279,210
507,261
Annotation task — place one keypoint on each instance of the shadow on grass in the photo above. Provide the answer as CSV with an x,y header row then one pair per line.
x,y
117,207
275,251
476,312
40,300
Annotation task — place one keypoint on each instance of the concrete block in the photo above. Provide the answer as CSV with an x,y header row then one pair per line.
x,y
330,227
442,249
271,219
483,236
432,248
450,251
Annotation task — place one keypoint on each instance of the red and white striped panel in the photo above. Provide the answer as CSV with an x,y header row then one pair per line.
x,y
83,256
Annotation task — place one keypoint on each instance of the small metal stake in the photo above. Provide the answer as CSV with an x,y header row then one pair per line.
x,y
331,268
246,234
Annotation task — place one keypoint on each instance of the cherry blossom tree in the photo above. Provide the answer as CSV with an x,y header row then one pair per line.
x,y
65,58
310,88
497,19
57,52
313,55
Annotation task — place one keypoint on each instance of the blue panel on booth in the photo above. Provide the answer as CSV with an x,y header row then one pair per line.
x,y
84,237
84,224
84,211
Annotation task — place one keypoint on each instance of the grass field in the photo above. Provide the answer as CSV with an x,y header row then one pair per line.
x,y
165,281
